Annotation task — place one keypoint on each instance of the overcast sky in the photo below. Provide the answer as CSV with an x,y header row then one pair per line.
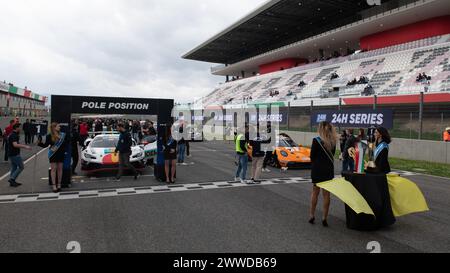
x,y
112,47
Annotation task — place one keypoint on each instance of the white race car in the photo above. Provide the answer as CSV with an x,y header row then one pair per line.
x,y
150,147
99,154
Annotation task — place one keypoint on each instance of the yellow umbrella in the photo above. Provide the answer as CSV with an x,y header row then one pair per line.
x,y
406,197
345,191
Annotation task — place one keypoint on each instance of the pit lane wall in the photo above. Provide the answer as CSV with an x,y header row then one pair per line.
x,y
424,150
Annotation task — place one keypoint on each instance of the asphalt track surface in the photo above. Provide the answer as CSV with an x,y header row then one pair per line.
x,y
261,218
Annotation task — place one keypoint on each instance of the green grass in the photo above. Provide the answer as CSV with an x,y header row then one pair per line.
x,y
438,169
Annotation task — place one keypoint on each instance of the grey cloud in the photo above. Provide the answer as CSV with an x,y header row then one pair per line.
x,y
112,47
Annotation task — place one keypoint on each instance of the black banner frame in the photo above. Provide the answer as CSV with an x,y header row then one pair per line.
x,y
63,106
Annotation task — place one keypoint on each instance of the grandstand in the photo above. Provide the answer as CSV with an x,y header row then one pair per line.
x,y
287,51
15,101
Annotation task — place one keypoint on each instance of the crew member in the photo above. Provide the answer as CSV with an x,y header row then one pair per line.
x,y
74,140
268,150
241,150
14,155
124,148
84,133
257,157
381,154
348,165
26,127
8,131
181,145
322,167
447,134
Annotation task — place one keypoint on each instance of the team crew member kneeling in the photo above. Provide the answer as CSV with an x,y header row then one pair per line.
x,y
322,158
124,149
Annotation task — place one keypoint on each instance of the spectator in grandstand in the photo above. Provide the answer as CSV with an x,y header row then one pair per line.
x,y
170,156
26,127
363,80
301,84
353,82
322,159
290,93
241,151
334,76
57,142
368,90
423,77
426,85
381,155
447,134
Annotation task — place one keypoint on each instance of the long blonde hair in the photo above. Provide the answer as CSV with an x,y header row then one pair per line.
x,y
53,132
328,135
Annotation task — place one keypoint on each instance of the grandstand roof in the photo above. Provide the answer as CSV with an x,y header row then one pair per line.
x,y
281,22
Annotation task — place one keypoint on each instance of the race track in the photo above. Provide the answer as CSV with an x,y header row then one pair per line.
x,y
204,212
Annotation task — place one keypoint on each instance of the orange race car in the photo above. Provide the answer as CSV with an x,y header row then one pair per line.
x,y
288,154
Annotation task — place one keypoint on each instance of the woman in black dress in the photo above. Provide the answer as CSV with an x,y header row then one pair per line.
x,y
170,156
57,142
322,158
382,139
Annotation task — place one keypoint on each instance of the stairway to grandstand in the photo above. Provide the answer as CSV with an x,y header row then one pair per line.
x,y
391,71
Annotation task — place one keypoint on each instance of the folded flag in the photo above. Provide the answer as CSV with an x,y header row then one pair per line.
x,y
346,192
406,197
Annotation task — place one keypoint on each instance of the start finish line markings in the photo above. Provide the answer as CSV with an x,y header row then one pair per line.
x,y
5,199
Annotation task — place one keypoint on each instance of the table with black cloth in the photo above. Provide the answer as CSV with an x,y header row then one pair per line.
x,y
374,188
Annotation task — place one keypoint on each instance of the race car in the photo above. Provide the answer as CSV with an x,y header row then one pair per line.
x,y
149,144
288,154
99,154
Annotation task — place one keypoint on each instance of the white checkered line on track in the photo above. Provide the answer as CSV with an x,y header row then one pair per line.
x,y
41,197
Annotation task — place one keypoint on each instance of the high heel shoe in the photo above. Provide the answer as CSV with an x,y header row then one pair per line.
x,y
55,190
325,223
312,220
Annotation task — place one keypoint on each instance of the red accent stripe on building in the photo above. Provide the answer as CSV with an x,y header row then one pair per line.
x,y
420,30
406,99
